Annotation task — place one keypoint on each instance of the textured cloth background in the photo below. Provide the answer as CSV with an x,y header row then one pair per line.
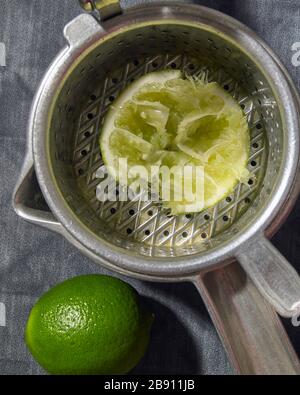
x,y
32,259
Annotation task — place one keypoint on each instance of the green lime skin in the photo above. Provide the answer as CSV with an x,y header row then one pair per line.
x,y
88,325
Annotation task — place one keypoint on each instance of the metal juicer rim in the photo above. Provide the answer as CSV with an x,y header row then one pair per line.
x,y
285,95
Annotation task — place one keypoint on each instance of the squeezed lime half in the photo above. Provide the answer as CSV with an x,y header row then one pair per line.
x,y
166,120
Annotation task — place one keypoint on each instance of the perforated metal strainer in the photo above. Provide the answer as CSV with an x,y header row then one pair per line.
x,y
138,238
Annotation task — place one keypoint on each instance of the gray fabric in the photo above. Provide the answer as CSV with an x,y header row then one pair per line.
x,y
32,259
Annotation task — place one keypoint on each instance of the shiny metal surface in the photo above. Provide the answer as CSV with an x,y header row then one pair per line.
x,y
268,267
99,235
148,224
65,122
103,9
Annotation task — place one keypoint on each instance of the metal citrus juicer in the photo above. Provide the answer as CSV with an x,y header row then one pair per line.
x,y
223,251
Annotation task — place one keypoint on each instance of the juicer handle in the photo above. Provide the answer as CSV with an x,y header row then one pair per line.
x,y
250,329
273,275
29,203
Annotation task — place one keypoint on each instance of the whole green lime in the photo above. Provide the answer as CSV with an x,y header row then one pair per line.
x,y
88,325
